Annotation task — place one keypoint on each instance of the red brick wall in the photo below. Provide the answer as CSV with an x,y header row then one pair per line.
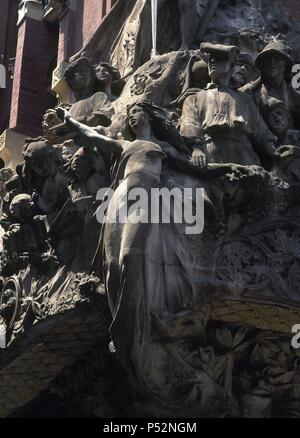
x,y
78,26
8,42
4,95
68,33
37,48
294,7
93,13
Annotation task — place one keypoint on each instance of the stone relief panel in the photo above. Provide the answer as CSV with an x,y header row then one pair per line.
x,y
214,109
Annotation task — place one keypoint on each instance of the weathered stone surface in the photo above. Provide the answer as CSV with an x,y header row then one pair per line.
x,y
200,324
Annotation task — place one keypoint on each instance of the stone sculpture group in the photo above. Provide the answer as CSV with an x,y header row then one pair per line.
x,y
223,117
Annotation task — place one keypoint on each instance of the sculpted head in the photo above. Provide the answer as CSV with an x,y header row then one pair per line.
x,y
275,61
41,157
162,122
277,116
221,59
80,75
243,69
138,117
82,163
199,74
106,74
22,208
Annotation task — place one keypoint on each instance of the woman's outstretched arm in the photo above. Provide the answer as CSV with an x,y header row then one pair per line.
x,y
203,170
89,135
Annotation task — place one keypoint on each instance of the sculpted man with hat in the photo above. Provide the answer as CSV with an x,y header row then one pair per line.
x,y
222,123
275,63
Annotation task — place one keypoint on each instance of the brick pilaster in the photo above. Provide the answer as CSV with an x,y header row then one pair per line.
x,y
36,50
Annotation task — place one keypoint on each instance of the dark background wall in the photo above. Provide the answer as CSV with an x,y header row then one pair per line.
x,y
294,7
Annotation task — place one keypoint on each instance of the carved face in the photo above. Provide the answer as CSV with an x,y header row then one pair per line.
x,y
241,74
278,121
41,157
82,77
219,66
137,118
81,163
273,66
69,148
104,75
22,208
43,165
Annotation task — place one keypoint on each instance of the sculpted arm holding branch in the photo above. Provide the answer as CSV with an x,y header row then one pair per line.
x,y
91,137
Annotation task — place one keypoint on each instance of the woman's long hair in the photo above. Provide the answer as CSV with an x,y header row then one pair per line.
x,y
163,127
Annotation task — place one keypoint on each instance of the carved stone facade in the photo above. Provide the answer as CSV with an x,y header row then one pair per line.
x,y
140,317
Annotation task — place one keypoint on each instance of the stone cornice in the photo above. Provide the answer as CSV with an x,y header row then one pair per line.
x,y
30,9
55,10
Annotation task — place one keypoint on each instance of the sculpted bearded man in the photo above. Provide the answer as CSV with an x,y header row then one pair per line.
x,y
222,123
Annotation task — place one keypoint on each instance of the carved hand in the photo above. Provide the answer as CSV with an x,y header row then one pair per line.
x,y
199,158
271,151
63,114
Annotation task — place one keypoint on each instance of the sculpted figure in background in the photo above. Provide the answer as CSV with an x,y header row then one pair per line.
x,y
196,78
5,175
41,175
223,123
275,63
13,187
277,118
146,266
68,149
88,172
276,115
25,240
93,107
107,76
75,231
20,237
243,70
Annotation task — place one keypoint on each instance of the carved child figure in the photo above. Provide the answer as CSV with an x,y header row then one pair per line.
x,y
42,177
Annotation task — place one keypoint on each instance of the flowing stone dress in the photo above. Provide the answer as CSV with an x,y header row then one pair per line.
x,y
146,265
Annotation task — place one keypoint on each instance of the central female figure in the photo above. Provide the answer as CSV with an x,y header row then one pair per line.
x,y
146,266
